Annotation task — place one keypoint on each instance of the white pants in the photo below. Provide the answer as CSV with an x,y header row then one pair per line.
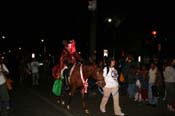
x,y
115,95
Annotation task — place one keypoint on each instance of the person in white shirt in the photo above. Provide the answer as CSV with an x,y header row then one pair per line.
x,y
169,79
153,84
4,95
35,72
112,87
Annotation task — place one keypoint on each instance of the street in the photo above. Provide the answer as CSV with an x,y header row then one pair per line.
x,y
39,101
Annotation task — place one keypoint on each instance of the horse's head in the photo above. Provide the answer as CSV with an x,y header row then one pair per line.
x,y
98,76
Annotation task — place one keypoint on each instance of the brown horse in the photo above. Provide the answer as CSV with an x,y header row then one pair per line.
x,y
79,75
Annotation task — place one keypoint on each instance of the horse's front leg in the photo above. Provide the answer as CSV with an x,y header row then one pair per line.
x,y
70,95
83,103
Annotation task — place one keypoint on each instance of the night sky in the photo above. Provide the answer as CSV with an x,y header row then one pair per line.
x,y
25,23
53,21
139,19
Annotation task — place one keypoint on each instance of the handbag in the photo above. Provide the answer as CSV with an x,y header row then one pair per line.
x,y
9,84
121,78
57,86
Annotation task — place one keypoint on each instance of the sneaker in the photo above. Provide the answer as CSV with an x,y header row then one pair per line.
x,y
102,110
120,114
62,102
58,101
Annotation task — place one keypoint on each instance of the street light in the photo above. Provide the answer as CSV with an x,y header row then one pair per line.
x,y
44,47
109,20
19,48
33,55
114,23
3,37
42,40
9,51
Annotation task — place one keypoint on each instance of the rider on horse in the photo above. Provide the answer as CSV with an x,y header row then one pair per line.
x,y
68,58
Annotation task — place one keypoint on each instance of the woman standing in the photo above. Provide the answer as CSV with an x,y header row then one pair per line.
x,y
169,78
112,87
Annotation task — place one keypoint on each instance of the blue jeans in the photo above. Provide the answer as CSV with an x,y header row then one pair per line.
x,y
151,98
131,90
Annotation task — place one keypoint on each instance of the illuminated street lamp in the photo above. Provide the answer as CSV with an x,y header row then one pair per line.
x,y
44,47
114,23
3,37
33,55
19,48
42,40
9,51
109,20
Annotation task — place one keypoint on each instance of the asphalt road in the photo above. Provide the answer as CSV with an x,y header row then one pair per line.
x,y
39,101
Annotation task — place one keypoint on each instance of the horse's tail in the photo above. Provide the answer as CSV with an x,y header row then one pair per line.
x,y
55,71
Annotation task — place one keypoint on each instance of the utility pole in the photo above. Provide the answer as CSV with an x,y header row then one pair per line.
x,y
92,8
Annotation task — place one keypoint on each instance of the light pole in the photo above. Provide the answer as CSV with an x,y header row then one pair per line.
x,y
92,8
44,47
115,23
2,42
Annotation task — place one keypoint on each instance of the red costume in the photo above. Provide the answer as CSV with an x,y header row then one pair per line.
x,y
69,56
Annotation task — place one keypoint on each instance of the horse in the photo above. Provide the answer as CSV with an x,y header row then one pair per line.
x,y
78,79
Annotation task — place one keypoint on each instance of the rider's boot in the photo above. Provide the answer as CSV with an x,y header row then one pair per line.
x,y
66,82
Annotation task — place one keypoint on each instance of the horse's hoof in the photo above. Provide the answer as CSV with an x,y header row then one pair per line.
x,y
58,101
68,107
62,103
